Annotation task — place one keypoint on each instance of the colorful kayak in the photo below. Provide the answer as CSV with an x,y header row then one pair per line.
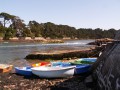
x,y
40,64
53,72
84,61
26,71
5,68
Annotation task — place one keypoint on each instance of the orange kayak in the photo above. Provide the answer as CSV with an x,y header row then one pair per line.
x,y
40,64
5,68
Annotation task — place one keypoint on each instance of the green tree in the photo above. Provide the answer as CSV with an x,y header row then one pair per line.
x,y
6,18
36,28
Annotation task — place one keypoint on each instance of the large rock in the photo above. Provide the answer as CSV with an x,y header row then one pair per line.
x,y
107,73
117,36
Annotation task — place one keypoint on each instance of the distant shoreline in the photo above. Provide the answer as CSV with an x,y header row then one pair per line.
x,y
32,40
41,40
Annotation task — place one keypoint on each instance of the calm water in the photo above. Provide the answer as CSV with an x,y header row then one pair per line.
x,y
12,52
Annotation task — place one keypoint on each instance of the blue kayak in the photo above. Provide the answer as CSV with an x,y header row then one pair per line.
x,y
83,68
88,59
26,71
61,64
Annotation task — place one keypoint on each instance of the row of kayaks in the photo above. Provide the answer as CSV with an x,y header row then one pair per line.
x,y
57,69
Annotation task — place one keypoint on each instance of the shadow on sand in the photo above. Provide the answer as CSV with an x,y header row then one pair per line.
x,y
14,81
75,82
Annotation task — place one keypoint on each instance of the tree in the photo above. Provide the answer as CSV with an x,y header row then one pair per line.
x,y
6,18
11,25
9,33
36,28
17,23
1,23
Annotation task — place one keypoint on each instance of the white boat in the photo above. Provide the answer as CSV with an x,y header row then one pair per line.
x,y
53,72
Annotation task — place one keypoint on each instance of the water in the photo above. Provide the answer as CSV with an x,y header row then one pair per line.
x,y
12,52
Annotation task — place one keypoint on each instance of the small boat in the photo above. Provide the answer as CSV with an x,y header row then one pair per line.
x,y
5,68
40,64
84,61
26,71
80,68
53,72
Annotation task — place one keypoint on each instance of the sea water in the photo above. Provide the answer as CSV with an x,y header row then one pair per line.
x,y
11,52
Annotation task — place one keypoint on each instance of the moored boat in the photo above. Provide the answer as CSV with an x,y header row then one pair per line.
x,y
40,64
83,68
5,68
79,69
84,61
26,71
53,72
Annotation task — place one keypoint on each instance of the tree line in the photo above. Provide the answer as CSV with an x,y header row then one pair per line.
x,y
14,26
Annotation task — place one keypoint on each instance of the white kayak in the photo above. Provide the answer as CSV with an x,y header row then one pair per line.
x,y
53,72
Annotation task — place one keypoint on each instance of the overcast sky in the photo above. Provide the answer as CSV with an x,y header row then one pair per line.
x,y
103,14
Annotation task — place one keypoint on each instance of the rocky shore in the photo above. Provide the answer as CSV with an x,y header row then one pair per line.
x,y
69,54
11,81
35,40
92,51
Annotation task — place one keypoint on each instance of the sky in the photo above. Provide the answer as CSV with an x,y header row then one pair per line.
x,y
104,14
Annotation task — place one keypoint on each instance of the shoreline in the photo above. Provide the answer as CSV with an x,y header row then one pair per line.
x,y
14,81
42,40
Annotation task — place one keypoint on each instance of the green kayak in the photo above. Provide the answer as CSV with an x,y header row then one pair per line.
x,y
84,61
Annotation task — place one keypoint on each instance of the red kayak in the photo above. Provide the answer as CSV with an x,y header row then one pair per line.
x,y
40,64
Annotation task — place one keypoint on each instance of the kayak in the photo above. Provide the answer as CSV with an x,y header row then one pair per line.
x,y
40,64
83,68
26,71
84,61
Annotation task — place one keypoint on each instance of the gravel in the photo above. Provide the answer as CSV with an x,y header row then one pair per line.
x,y
12,81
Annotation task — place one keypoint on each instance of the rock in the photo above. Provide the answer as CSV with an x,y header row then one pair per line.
x,y
107,68
63,55
89,81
